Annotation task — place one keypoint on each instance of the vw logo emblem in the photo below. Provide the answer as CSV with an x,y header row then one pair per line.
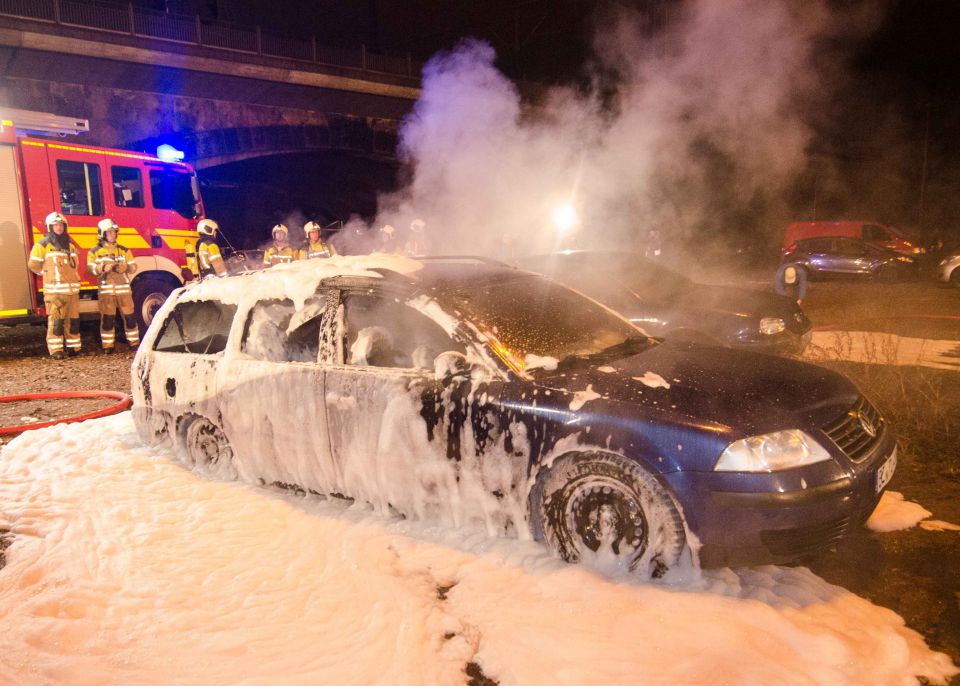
x,y
868,426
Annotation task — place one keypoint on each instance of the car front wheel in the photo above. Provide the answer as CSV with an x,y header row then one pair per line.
x,y
607,512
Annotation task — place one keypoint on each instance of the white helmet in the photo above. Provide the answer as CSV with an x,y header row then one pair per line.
x,y
280,228
207,227
52,219
417,225
387,229
105,225
310,226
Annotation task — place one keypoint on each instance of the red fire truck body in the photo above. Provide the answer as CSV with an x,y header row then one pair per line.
x,y
156,204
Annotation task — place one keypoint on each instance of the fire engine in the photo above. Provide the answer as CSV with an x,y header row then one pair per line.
x,y
156,203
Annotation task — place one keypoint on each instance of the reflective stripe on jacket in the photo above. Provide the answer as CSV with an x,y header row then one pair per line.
x,y
115,280
57,266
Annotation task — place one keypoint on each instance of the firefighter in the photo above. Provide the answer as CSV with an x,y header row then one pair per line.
x,y
113,265
280,252
416,241
205,258
54,257
315,246
386,242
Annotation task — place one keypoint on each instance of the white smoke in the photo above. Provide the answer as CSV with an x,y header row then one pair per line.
x,y
690,128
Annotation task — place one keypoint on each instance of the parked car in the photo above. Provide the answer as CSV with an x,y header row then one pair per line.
x,y
667,304
474,394
874,233
948,271
838,258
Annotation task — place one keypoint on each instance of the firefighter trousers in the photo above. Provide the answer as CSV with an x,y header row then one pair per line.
x,y
63,323
109,304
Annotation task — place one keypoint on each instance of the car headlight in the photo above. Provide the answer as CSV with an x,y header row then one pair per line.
x,y
771,452
772,325
904,258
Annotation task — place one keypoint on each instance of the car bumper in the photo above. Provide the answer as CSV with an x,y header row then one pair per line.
x,y
785,342
783,516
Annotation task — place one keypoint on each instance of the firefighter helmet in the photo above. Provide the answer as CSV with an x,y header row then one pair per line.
x,y
388,230
311,226
52,219
105,225
207,227
417,225
280,228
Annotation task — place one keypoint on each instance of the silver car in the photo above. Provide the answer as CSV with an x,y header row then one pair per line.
x,y
948,270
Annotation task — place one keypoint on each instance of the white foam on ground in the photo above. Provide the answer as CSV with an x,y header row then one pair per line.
x,y
125,568
895,513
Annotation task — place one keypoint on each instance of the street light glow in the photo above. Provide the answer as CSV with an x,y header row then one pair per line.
x,y
565,217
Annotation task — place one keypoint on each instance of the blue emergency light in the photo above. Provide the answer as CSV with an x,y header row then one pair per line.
x,y
168,153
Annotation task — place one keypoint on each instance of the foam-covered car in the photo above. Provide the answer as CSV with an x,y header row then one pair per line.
x,y
475,394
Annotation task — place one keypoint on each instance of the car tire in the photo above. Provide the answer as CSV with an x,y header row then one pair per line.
x,y
601,508
955,277
149,293
207,447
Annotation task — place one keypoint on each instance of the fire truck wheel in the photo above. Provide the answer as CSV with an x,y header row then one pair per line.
x,y
149,293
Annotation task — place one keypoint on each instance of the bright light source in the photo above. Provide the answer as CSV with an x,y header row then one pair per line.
x,y
564,218
168,153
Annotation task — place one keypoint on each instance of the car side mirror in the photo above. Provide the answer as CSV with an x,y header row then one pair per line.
x,y
449,365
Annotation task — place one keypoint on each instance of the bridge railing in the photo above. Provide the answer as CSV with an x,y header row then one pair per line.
x,y
191,29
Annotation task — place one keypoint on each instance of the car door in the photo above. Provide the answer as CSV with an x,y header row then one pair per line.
x,y
271,395
403,437
820,257
852,257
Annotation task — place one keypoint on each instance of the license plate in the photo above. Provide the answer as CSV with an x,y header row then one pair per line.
x,y
885,473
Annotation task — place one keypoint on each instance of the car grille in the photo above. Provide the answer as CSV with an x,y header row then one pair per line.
x,y
856,432
794,543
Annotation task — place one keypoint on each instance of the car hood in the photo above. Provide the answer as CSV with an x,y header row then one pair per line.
x,y
720,389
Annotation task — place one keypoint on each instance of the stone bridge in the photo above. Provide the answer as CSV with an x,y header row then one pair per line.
x,y
219,93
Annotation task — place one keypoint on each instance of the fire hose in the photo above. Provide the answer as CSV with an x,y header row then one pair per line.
x,y
124,402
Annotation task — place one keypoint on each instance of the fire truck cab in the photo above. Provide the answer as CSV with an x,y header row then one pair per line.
x,y
156,204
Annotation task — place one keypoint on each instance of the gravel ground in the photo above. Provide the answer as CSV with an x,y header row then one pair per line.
x,y
25,368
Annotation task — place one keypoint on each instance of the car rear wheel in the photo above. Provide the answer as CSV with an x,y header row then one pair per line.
x,y
890,273
955,277
206,446
607,512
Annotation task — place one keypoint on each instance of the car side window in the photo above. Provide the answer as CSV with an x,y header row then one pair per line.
x,y
276,331
848,247
198,327
382,332
873,232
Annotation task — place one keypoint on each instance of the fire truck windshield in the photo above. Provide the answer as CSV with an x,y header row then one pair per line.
x,y
176,190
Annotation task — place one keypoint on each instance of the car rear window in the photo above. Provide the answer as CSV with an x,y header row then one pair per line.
x,y
199,327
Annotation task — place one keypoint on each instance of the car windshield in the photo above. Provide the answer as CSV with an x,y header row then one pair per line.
x,y
540,324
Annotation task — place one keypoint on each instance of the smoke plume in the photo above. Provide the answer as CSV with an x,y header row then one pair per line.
x,y
696,128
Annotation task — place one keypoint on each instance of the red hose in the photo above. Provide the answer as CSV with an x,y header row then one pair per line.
x,y
125,402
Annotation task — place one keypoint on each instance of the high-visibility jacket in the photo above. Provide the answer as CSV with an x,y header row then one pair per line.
x,y
279,255
318,249
57,266
204,258
113,265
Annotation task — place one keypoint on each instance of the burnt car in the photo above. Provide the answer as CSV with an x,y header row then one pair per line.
x,y
667,304
849,258
473,394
